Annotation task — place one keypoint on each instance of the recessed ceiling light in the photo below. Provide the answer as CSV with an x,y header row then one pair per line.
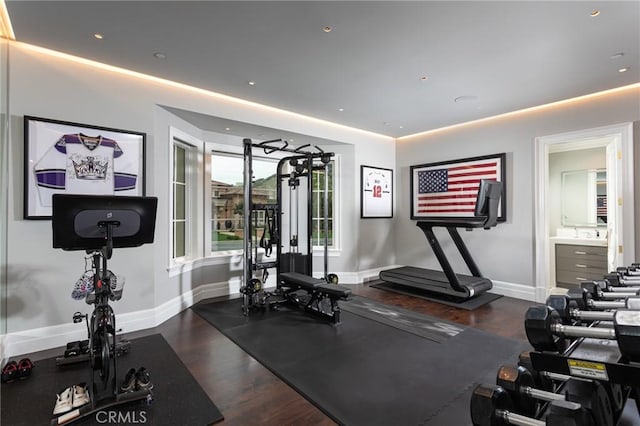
x,y
251,83
327,29
292,140
424,78
159,55
594,13
402,127
623,69
227,128
340,109
617,55
98,36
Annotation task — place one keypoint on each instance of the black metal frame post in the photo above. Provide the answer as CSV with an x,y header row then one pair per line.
x,y
442,258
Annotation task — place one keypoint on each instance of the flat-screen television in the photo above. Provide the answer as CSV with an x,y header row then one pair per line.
x,y
489,193
79,221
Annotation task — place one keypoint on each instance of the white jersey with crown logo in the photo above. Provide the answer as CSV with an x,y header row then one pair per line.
x,y
80,164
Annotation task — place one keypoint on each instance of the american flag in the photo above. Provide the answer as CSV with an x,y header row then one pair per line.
x,y
451,190
602,206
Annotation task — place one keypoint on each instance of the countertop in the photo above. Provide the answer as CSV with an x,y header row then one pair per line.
x,y
600,242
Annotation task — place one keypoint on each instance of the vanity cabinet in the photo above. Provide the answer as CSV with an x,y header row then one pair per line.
x,y
577,263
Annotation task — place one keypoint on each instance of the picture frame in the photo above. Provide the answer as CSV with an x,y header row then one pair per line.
x,y
448,189
376,192
74,158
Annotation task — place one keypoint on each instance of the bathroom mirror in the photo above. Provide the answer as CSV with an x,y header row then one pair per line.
x,y
584,198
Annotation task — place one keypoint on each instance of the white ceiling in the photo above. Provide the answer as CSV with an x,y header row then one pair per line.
x,y
505,55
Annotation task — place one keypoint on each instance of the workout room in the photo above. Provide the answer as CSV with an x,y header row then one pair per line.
x,y
319,212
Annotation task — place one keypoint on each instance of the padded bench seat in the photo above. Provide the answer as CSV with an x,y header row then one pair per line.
x,y
290,279
334,290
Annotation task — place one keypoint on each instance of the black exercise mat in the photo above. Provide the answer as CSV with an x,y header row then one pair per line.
x,y
179,399
364,372
469,305
426,326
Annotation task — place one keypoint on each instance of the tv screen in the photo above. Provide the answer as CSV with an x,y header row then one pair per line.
x,y
76,221
489,193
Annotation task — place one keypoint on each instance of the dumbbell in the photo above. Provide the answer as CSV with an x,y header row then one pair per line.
x,y
600,290
492,406
584,301
567,310
546,332
547,380
518,381
612,284
618,279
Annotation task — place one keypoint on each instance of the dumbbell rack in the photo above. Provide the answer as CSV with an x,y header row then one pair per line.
x,y
594,359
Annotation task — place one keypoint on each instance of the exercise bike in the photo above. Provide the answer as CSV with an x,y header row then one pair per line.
x,y
97,224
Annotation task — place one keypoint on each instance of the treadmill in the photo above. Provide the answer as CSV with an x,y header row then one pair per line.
x,y
446,282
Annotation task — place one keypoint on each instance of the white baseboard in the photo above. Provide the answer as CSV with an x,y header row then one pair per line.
x,y
38,339
517,291
33,340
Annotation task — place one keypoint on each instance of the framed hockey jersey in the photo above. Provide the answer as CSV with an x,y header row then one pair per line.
x,y
72,158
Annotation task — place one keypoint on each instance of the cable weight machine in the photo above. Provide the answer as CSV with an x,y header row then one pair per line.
x,y
292,236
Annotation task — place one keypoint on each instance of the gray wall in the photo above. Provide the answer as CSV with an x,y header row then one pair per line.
x,y
40,278
505,253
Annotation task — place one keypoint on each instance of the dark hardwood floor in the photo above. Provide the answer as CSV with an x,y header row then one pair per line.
x,y
249,394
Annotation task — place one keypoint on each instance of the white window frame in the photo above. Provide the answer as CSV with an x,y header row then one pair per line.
x,y
335,246
193,197
221,257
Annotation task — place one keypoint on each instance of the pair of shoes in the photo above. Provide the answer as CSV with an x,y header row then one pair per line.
x,y
76,348
72,397
17,370
136,380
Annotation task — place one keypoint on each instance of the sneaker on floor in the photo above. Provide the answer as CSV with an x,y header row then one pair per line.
x,y
80,395
143,380
129,383
64,401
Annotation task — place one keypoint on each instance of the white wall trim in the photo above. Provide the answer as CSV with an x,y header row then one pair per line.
x,y
542,273
27,341
517,291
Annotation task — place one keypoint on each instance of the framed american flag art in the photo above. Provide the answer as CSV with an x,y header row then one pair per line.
x,y
448,189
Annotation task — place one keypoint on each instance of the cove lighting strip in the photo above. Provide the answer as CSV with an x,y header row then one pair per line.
x,y
193,89
6,29
561,103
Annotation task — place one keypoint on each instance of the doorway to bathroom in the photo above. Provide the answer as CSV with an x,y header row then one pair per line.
x,y
584,209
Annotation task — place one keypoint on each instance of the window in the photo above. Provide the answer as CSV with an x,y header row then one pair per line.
x,y
227,196
180,201
185,198
318,230
227,199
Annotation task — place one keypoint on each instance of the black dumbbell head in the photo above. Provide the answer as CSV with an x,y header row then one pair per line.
x,y
513,379
560,303
579,297
627,326
565,413
592,287
485,400
537,323
592,396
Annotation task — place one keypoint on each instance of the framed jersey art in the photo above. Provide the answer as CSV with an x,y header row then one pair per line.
x,y
376,200
72,158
